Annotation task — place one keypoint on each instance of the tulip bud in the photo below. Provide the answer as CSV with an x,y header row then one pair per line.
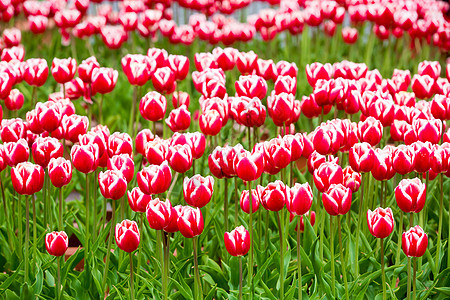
x,y
112,184
163,80
380,222
370,131
403,159
85,158
86,68
245,201
414,242
16,152
361,157
74,126
143,136
120,143
198,190
273,196
337,200
153,106
299,199
277,155
15,100
249,165
60,171
12,130
127,235
138,200
104,80
326,174
63,70
158,213
190,222
237,242
124,164
410,195
352,179
179,119
180,158
56,243
27,178
154,179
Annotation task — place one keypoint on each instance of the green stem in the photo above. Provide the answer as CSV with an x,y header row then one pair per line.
x,y
60,222
408,291
441,210
360,217
108,251
250,224
133,113
236,203
322,229
383,275
5,208
86,242
198,284
141,223
46,178
343,260
27,238
414,277
58,286
299,261
33,197
100,109
333,276
399,244
165,279
19,221
240,277
280,230
131,277
225,205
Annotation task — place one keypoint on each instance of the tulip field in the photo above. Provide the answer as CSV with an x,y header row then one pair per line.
x,y
230,149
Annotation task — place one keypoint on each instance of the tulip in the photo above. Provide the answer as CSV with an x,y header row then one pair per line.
x,y
153,106
311,215
86,68
63,70
180,158
35,71
251,86
327,174
12,130
210,122
410,195
156,151
143,136
163,80
280,108
154,179
27,178
422,86
179,64
190,222
104,80
179,119
124,164
403,159
349,35
370,131
15,100
198,190
60,171
112,184
380,222
337,199
158,213
73,126
273,197
85,158
96,138
120,143
198,143
361,157
56,243
138,200
237,242
245,201
352,179
37,24
414,242
249,165
16,152
180,98
127,235
246,62
44,149
277,155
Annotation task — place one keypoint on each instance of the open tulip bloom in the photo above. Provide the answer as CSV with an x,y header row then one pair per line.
x,y
178,137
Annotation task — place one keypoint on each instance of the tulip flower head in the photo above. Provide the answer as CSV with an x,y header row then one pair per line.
x,y
380,222
237,242
414,242
56,243
127,235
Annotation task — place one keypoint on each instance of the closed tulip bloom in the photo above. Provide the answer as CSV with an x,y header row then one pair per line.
x,y
85,158
3,163
94,138
414,242
16,152
403,159
317,71
172,226
48,115
179,119
35,71
221,161
180,158
277,155
428,130
361,157
422,86
286,84
158,213
163,80
325,139
156,151
337,200
326,174
138,200
120,143
349,35
56,243
352,179
210,122
124,164
198,143
380,222
315,160
296,145
127,235
154,179
251,86
12,130
422,156
237,242
153,106
37,24
281,108
249,165
44,149
63,70
439,159
245,201
179,64
246,62
410,195
112,184
15,100
248,111
299,199
13,53
179,98
273,196
27,178
190,222
143,136
198,190
73,126
370,131
104,80
60,171
86,68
